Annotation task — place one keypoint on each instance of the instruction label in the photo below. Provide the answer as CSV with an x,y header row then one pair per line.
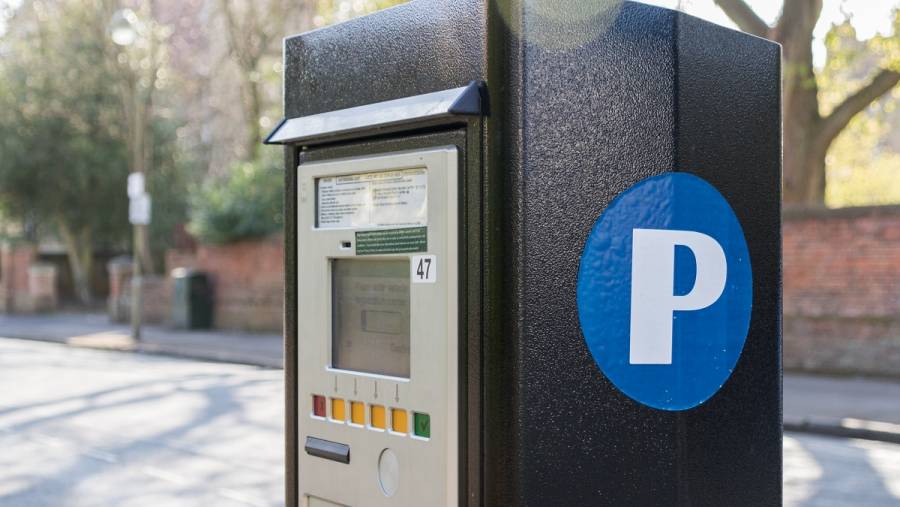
x,y
391,241
382,199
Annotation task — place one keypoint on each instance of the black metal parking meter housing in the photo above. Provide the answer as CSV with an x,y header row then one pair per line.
x,y
553,112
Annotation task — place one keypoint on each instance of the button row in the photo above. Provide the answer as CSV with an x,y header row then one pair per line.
x,y
378,415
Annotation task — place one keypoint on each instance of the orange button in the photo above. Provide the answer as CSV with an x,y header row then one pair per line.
x,y
338,409
399,420
378,417
358,412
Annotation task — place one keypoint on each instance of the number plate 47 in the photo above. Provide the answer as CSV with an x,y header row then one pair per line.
x,y
423,268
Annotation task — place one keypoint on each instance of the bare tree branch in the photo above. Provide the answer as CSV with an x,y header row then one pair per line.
x,y
231,30
799,17
832,124
744,17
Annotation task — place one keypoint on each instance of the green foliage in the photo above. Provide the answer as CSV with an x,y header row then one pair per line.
x,y
861,167
62,157
68,111
168,180
246,203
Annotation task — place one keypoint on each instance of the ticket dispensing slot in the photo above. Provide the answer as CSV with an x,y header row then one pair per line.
x,y
377,328
328,450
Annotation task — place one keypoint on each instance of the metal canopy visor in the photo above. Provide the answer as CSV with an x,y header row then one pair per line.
x,y
465,100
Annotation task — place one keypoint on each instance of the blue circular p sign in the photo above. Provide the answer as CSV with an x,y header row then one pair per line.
x,y
665,291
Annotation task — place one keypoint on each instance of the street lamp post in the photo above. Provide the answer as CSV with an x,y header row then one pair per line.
x,y
123,32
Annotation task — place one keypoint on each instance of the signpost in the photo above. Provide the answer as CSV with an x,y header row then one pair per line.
x,y
139,210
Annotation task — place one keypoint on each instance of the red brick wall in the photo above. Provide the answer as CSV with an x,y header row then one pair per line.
x,y
14,262
156,294
842,290
248,281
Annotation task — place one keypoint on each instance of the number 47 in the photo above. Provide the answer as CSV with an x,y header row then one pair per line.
x,y
424,268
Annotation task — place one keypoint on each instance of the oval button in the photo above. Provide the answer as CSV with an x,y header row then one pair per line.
x,y
388,472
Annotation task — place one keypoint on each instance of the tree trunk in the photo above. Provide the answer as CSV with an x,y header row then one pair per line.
x,y
804,155
804,182
254,113
80,255
804,167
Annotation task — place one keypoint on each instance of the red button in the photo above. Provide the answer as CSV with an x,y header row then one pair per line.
x,y
318,405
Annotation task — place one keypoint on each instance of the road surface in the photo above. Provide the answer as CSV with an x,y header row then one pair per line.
x,y
83,427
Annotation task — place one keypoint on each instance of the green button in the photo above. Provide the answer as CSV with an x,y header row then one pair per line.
x,y
422,425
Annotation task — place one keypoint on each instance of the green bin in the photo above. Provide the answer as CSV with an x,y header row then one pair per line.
x,y
192,300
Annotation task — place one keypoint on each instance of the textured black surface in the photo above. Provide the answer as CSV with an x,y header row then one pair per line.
x,y
581,108
729,133
597,118
291,440
420,47
636,92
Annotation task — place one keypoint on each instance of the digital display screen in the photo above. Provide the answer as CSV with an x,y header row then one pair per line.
x,y
370,316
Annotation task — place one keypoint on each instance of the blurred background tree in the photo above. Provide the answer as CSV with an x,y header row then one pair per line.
x,y
186,99
863,162
63,153
245,203
817,107
69,129
254,30
201,84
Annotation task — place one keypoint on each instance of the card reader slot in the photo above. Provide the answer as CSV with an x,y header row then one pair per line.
x,y
327,449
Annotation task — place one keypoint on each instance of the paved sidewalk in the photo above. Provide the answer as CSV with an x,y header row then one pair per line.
x,y
89,428
839,406
96,331
93,428
842,406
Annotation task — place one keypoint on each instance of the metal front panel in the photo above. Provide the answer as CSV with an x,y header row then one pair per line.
x,y
359,295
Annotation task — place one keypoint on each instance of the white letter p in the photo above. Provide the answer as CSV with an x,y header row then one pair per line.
x,y
653,301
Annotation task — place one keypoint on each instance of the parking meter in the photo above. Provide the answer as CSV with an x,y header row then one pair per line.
x,y
532,258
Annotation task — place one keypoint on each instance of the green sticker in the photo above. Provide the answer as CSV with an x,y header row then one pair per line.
x,y
392,241
422,425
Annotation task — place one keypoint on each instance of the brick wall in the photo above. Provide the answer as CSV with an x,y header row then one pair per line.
x,y
42,287
15,259
156,295
842,290
26,286
247,278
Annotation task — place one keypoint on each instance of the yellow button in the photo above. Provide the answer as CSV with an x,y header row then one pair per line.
x,y
399,420
338,409
378,417
358,412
